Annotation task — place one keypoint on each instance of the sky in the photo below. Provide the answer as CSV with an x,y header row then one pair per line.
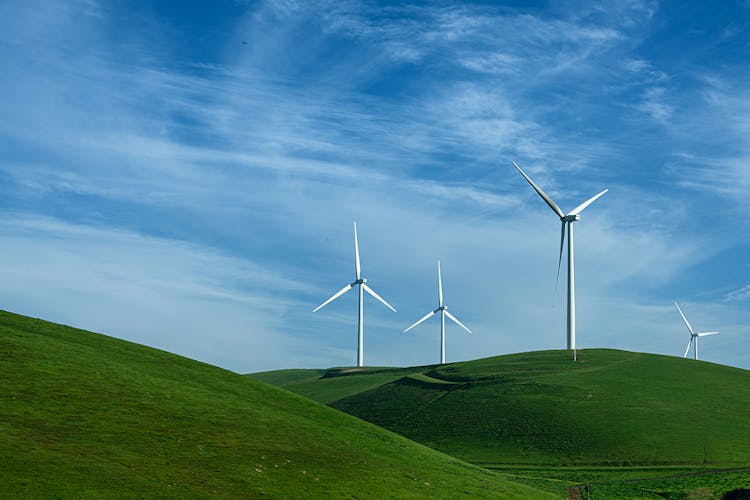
x,y
186,175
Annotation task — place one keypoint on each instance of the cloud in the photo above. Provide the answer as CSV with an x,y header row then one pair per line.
x,y
654,104
714,155
741,294
487,40
165,293
204,205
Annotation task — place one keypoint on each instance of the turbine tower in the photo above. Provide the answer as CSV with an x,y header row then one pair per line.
x,y
693,336
443,310
362,283
567,221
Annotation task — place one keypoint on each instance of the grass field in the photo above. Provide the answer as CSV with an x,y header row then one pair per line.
x,y
85,415
633,482
615,420
694,485
612,408
326,386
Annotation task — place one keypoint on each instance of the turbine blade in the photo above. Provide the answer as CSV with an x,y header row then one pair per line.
x,y
559,259
456,320
356,253
424,318
703,334
577,210
440,286
336,295
687,349
372,292
690,328
541,193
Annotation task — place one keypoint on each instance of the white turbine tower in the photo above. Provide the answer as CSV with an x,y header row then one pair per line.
x,y
443,310
567,220
693,336
362,282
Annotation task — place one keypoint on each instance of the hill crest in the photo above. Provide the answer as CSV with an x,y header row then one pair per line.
x,y
85,415
611,407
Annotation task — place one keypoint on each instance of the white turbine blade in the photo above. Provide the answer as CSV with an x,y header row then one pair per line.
x,y
703,334
544,196
687,349
336,295
440,286
690,328
577,210
456,320
372,292
559,259
356,252
424,318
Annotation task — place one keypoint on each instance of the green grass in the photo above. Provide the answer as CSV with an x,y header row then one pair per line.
x,y
690,485
326,386
631,482
281,378
612,408
628,425
85,415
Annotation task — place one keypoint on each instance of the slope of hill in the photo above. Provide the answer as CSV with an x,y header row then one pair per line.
x,y
539,408
85,415
326,386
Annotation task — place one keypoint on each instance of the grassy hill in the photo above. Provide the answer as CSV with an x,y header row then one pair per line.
x,y
327,386
85,415
612,408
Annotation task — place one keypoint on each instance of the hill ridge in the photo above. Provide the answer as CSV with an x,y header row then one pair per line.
x,y
86,415
539,408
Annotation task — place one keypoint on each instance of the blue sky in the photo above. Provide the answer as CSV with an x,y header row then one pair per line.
x,y
186,175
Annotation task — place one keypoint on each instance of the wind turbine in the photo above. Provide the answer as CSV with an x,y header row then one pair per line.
x,y
443,310
362,283
567,220
693,336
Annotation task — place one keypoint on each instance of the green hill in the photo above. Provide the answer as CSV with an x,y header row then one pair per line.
x,y
327,386
85,415
612,408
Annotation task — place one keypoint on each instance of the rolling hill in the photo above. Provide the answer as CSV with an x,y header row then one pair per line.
x,y
612,408
86,415
327,386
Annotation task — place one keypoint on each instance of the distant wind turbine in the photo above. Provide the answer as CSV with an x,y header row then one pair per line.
x,y
567,220
443,310
693,336
362,282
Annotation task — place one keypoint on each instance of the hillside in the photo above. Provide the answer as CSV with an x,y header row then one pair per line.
x,y
611,408
327,386
85,415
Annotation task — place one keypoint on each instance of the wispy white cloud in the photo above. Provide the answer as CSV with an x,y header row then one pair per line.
x,y
223,192
715,154
488,40
741,294
165,293
646,70
654,104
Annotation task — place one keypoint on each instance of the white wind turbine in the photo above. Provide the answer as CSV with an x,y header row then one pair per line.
x,y
443,313
693,336
362,282
567,220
